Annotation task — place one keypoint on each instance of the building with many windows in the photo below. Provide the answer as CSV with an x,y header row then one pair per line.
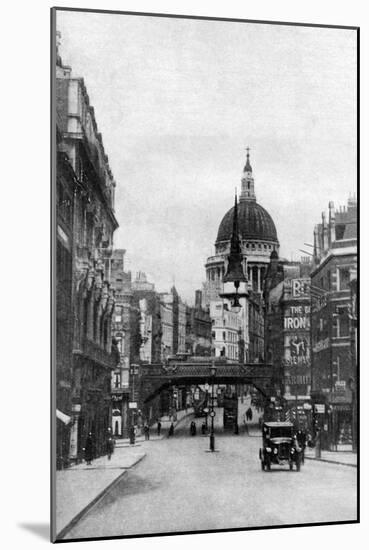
x,y
121,332
226,328
85,352
333,360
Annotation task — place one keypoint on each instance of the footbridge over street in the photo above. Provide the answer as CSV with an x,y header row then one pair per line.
x,y
156,377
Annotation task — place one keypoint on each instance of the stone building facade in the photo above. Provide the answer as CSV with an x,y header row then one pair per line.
x,y
65,189
88,234
333,360
166,314
121,331
226,331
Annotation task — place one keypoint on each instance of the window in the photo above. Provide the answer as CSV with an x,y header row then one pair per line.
x,y
340,231
344,328
329,279
344,278
116,380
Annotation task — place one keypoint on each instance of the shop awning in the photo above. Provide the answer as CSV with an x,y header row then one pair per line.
x,y
63,417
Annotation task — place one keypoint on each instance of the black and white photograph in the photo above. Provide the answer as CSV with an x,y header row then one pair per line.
x,y
205,274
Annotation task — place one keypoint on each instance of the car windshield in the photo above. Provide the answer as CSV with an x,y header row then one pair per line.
x,y
282,431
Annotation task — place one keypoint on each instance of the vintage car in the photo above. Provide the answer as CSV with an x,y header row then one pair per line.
x,y
279,446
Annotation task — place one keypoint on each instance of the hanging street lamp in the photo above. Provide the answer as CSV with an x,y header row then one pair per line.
x,y
234,280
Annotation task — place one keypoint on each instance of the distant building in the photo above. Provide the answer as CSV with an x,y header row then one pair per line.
x,y
141,283
255,351
226,328
334,363
121,332
198,328
146,322
167,325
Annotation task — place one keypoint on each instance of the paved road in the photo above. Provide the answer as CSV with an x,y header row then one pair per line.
x,y
181,487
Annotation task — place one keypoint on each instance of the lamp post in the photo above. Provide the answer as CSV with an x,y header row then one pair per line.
x,y
206,410
133,404
212,412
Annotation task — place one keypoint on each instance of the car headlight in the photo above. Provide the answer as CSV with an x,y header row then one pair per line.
x,y
268,449
275,450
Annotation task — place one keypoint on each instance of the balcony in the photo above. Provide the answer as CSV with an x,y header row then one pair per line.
x,y
95,353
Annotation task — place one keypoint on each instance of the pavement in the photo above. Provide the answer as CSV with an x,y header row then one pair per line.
x,y
182,487
343,458
81,487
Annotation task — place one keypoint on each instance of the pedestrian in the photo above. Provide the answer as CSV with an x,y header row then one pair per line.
x,y
171,430
203,428
236,428
147,431
159,427
89,448
110,443
193,428
132,435
301,438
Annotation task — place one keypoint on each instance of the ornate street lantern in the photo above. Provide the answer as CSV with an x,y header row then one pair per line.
x,y
234,280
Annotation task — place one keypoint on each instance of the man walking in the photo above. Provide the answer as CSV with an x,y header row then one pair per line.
x,y
110,443
132,435
89,449
159,427
147,431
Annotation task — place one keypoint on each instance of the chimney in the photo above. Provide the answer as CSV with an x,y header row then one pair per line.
x,y
324,232
332,224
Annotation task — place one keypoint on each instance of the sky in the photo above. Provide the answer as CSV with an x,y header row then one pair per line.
x,y
177,102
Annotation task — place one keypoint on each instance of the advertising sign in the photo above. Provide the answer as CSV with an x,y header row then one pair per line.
x,y
300,288
297,318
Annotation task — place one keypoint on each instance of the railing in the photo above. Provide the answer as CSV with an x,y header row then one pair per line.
x,y
202,370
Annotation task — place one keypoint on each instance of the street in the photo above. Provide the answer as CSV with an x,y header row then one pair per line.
x,y
181,487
